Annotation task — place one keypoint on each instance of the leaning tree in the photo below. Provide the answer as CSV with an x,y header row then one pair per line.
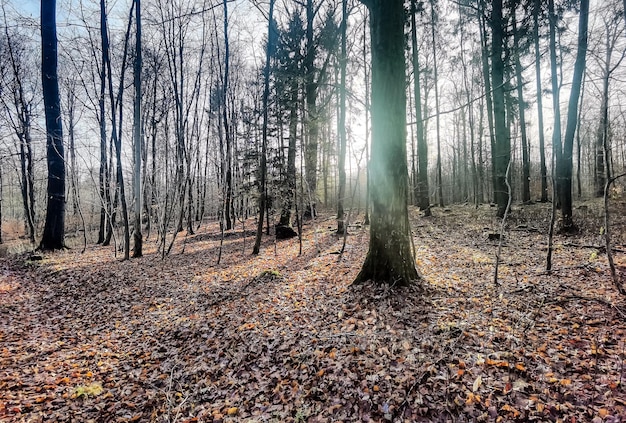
x,y
389,259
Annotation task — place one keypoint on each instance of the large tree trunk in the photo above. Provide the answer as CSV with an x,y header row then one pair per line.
x,y
389,258
54,229
566,165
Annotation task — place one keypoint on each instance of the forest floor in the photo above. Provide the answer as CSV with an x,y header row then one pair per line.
x,y
284,337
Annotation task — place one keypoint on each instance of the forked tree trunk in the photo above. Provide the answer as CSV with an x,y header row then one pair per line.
x,y
389,258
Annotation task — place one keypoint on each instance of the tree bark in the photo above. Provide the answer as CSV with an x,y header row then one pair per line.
x,y
488,92
542,142
522,114
433,17
566,166
137,235
389,258
502,152
556,107
423,198
104,175
266,92
341,191
54,229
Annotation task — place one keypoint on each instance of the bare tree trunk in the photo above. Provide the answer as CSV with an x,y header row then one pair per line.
x,y
116,129
557,145
565,169
434,19
341,228
312,118
423,197
54,229
137,235
488,88
266,92
366,220
522,115
104,176
542,149
579,189
228,212
502,152
389,259
21,125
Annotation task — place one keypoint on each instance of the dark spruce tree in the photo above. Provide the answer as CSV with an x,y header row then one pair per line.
x,y
54,229
389,259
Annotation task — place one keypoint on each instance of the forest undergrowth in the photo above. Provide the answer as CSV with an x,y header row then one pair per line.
x,y
282,337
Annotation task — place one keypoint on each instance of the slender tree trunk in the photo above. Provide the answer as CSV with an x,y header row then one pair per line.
x,y
104,177
542,149
557,145
481,162
71,113
266,93
228,210
342,122
522,115
502,152
572,117
312,118
434,19
366,220
54,229
290,177
22,127
137,235
116,128
423,198
470,113
488,91
1,200
579,189
27,179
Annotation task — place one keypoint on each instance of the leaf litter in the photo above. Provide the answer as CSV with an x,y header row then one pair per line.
x,y
285,338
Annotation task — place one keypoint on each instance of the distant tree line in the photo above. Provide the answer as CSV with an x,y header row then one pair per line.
x,y
225,120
